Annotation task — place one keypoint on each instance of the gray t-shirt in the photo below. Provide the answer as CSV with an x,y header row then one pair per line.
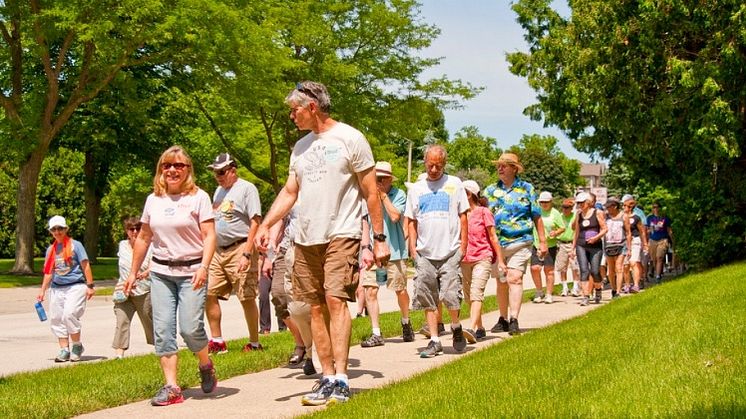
x,y
234,208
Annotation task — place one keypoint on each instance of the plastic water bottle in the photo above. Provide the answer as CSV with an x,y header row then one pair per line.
x,y
382,276
40,311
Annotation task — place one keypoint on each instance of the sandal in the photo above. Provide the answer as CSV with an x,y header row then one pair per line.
x,y
298,355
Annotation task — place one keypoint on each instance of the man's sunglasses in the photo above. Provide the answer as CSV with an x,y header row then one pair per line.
x,y
299,87
177,166
134,229
221,172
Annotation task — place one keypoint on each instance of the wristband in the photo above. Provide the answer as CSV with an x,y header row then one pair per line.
x,y
247,255
89,285
368,246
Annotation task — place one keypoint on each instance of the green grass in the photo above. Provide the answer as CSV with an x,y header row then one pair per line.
x,y
105,268
676,350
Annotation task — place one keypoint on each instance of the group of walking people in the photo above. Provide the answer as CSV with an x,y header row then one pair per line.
x,y
337,218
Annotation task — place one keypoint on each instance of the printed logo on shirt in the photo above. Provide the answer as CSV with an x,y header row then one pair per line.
x,y
226,210
169,212
332,153
437,202
60,267
314,170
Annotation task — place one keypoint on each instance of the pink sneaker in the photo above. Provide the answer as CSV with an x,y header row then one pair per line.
x,y
216,347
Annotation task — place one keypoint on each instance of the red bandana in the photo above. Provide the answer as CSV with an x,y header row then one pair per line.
x,y
67,252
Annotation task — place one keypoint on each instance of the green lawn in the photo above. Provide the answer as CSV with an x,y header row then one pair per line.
x,y
105,268
676,350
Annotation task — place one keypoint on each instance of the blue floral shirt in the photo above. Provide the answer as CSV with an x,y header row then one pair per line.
x,y
514,210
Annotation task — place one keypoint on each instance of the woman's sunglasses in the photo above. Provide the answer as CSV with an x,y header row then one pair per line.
x,y
177,166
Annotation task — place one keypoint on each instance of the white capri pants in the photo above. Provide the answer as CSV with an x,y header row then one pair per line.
x,y
66,307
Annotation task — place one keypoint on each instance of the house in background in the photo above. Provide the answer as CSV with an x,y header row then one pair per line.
x,y
594,180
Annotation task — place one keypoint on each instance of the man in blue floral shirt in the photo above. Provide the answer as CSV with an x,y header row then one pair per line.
x,y
514,203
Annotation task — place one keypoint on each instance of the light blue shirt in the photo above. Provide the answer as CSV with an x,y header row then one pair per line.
x,y
395,231
64,274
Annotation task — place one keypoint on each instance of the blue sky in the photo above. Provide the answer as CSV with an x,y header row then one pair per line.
x,y
475,36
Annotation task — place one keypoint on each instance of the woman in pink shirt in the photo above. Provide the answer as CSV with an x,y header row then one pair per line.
x,y
482,250
178,221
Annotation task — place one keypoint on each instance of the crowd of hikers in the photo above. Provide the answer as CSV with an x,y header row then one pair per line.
x,y
337,232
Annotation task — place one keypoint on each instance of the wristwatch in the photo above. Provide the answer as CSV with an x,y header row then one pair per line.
x,y
247,255
368,246
89,285
379,237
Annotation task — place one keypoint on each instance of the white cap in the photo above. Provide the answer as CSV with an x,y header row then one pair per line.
x,y
471,186
582,197
627,197
383,169
545,196
57,221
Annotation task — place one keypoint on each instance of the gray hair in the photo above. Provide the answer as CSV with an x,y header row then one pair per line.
x,y
436,148
307,92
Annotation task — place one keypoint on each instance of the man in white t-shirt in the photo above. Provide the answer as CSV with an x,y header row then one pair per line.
x,y
235,266
438,236
331,169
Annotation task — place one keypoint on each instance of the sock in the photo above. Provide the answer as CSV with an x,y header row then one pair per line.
x,y
455,326
405,320
435,339
342,378
218,339
254,344
330,378
377,331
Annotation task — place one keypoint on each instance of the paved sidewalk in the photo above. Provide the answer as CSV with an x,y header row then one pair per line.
x,y
277,392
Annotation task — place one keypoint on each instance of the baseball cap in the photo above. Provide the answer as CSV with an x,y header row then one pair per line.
x,y
612,201
627,197
57,221
545,196
221,161
471,186
568,202
582,197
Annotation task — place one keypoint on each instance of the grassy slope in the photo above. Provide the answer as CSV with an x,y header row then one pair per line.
x,y
105,268
676,350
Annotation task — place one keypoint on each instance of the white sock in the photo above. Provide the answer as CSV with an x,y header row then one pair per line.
x,y
377,331
435,339
217,339
404,320
342,378
255,344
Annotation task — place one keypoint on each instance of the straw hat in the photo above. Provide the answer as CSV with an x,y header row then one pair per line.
x,y
511,159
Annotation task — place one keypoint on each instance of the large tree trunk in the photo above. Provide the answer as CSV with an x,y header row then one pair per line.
x,y
92,207
28,180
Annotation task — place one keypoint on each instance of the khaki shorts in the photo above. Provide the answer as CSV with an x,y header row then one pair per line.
x,y
635,254
331,269
517,255
563,260
658,248
475,277
224,277
397,276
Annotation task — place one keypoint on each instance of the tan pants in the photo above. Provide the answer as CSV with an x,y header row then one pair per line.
x,y
124,312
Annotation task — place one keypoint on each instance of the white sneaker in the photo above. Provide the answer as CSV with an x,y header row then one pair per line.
x,y
564,292
548,299
575,292
537,298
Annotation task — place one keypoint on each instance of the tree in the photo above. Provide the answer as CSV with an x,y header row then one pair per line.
x,y
658,87
546,167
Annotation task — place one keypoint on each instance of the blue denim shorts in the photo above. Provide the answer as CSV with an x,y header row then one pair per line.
x,y
172,297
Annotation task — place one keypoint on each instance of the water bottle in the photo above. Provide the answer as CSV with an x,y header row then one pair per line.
x,y
40,311
119,296
381,276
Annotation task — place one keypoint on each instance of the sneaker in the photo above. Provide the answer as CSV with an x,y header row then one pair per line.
x,y
538,297
459,343
634,290
76,352
63,355
625,289
373,340
216,347
513,328
433,348
470,335
319,394
480,334
207,378
615,295
597,297
548,299
564,292
308,368
407,332
576,292
584,301
167,395
298,355
500,326
425,330
340,394
250,348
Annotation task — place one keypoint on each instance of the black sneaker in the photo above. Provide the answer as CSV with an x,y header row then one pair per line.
x,y
470,335
407,332
208,381
500,326
597,297
513,328
459,342
480,333
308,368
319,394
433,348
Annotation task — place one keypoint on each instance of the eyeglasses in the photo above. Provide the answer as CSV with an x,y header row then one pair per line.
x,y
299,87
567,206
221,172
177,166
55,229
655,207
133,229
